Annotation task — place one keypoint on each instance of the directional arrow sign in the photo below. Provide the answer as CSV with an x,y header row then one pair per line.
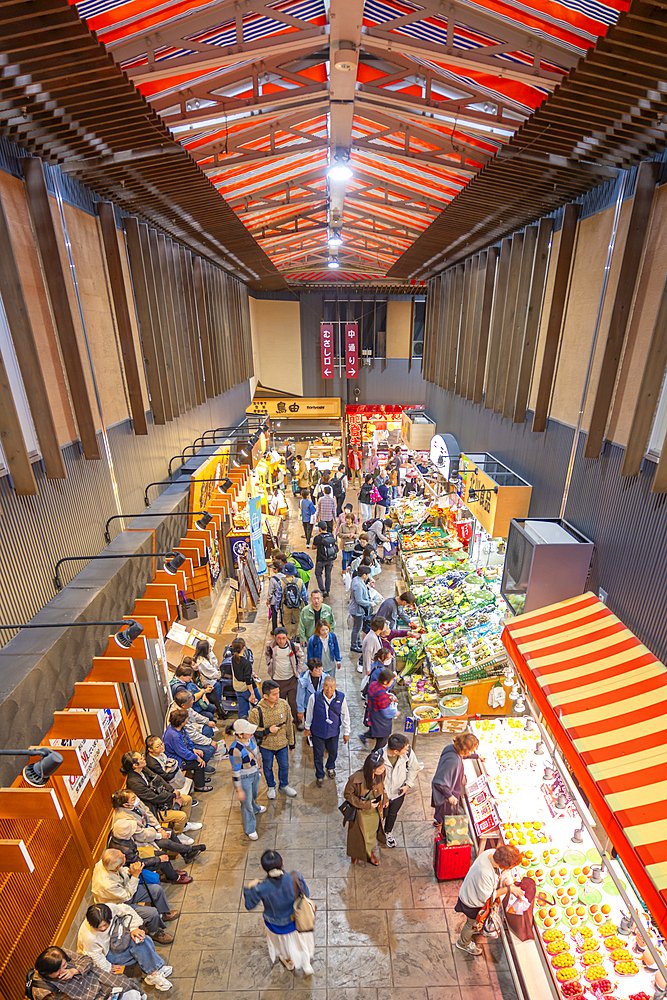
x,y
351,350
326,337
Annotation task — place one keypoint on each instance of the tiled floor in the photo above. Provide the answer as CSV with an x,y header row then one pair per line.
x,y
382,933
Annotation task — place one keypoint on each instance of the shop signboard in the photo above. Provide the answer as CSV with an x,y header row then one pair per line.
x,y
493,504
201,491
326,343
351,350
89,752
256,533
297,407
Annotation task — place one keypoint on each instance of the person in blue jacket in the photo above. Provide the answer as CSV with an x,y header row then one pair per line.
x,y
177,744
310,682
324,645
277,892
307,508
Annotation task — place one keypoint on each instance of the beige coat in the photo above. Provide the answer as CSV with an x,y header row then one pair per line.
x,y
354,792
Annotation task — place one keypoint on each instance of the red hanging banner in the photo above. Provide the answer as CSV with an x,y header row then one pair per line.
x,y
326,334
351,350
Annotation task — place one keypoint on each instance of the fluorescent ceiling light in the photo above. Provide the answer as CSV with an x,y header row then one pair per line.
x,y
335,240
333,264
339,172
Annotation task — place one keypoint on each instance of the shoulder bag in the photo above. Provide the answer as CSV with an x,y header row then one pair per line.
x,y
348,812
304,908
120,938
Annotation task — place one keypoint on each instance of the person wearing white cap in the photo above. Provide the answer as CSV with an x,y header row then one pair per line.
x,y
244,758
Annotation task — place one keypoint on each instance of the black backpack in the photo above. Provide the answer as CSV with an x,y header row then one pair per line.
x,y
328,550
367,524
337,486
292,597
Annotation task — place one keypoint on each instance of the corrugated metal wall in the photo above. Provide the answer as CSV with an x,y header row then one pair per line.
x,y
67,516
627,523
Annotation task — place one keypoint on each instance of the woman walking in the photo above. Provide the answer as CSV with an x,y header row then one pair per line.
x,y
347,535
324,646
365,791
244,757
447,783
365,502
243,679
278,892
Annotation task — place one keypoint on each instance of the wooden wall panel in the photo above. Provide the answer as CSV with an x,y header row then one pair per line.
x,y
455,328
508,321
441,328
192,327
169,331
554,327
163,331
485,324
198,274
625,289
468,277
145,317
155,294
537,292
13,443
54,277
519,320
28,360
117,286
476,320
495,336
649,394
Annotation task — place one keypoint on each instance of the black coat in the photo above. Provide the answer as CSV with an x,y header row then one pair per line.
x,y
154,792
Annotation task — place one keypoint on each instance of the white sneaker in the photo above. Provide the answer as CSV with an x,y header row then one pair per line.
x,y
157,980
271,793
390,840
185,840
288,790
359,668
192,826
252,836
260,810
165,971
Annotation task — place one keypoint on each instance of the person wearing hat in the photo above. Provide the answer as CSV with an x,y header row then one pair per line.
x,y
293,597
244,757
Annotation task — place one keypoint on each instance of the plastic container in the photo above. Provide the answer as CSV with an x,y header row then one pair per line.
x,y
448,709
425,727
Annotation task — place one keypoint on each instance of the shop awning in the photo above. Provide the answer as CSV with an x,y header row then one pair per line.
x,y
603,694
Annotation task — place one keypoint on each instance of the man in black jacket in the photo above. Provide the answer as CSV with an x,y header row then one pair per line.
x,y
166,805
327,552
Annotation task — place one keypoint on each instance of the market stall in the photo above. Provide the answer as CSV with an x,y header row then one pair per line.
x,y
578,786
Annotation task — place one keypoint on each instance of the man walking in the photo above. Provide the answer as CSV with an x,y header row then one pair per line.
x,y
316,611
327,553
401,770
354,464
326,508
360,605
327,711
302,473
293,598
284,661
275,735
339,488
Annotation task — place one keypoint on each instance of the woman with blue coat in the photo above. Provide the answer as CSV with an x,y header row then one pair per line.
x,y
278,893
324,646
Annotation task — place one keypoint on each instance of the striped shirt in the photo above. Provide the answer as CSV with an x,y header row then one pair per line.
x,y
243,758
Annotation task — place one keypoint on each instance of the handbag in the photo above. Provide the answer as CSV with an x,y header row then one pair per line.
x,y
493,922
348,812
120,938
304,908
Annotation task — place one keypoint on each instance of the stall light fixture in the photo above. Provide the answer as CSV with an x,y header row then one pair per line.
x,y
172,567
333,264
235,463
37,774
174,513
577,837
335,239
126,636
204,521
172,556
225,484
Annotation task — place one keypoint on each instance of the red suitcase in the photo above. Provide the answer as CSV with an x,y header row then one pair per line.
x,y
450,862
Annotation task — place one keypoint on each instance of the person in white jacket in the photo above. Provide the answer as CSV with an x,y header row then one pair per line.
x,y
401,770
115,882
105,927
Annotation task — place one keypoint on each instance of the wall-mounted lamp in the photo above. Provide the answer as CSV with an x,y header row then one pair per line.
x,y
125,636
172,556
481,495
37,774
175,513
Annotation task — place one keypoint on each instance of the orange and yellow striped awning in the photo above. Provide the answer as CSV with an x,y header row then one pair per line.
x,y
603,694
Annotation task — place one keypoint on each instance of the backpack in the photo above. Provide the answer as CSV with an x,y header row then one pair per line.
x,y
303,559
367,524
329,550
336,486
292,597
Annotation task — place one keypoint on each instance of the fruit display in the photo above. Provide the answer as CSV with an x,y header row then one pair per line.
x,y
571,990
563,961
595,972
563,975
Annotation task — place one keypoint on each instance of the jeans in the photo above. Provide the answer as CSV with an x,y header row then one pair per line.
x,y
282,756
324,585
143,954
274,621
208,713
339,504
249,808
391,812
208,731
320,744
156,904
347,559
308,530
243,700
207,751
358,621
